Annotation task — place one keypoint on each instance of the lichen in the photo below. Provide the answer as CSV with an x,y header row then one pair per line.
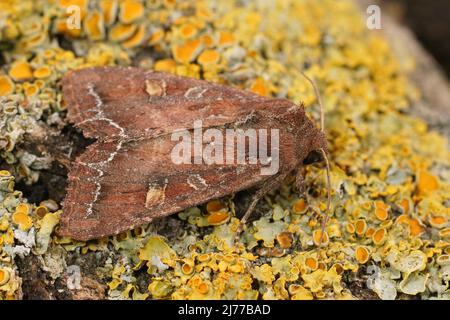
x,y
389,172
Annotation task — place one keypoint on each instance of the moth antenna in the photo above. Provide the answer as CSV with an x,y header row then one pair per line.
x,y
319,100
327,214
322,128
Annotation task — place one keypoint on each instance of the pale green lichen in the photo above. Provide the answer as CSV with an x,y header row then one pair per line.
x,y
390,174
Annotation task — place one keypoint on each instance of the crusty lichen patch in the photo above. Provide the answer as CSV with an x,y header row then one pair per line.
x,y
390,174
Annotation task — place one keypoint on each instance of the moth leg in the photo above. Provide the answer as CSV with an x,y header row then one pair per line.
x,y
267,186
327,216
300,182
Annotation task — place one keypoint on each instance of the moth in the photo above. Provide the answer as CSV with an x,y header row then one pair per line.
x,y
128,176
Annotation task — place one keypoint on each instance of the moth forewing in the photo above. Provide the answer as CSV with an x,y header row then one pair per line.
x,y
141,167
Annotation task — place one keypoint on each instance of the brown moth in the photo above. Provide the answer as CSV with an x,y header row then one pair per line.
x,y
127,177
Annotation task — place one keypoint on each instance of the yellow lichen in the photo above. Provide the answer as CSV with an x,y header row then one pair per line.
x,y
362,254
383,161
188,51
157,247
438,221
226,38
21,218
6,85
381,210
259,87
299,206
218,218
209,57
94,25
414,225
426,182
42,72
4,276
21,70
188,30
121,32
131,10
320,239
379,236
360,227
137,39
109,9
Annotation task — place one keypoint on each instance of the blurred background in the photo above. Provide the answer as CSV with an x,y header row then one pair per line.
x,y
429,20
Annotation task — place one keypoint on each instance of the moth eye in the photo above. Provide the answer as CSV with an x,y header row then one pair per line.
x,y
313,157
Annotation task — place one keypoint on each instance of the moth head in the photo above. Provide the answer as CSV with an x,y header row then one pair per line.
x,y
315,146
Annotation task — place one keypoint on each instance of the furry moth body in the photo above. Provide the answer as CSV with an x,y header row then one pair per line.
x,y
127,178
